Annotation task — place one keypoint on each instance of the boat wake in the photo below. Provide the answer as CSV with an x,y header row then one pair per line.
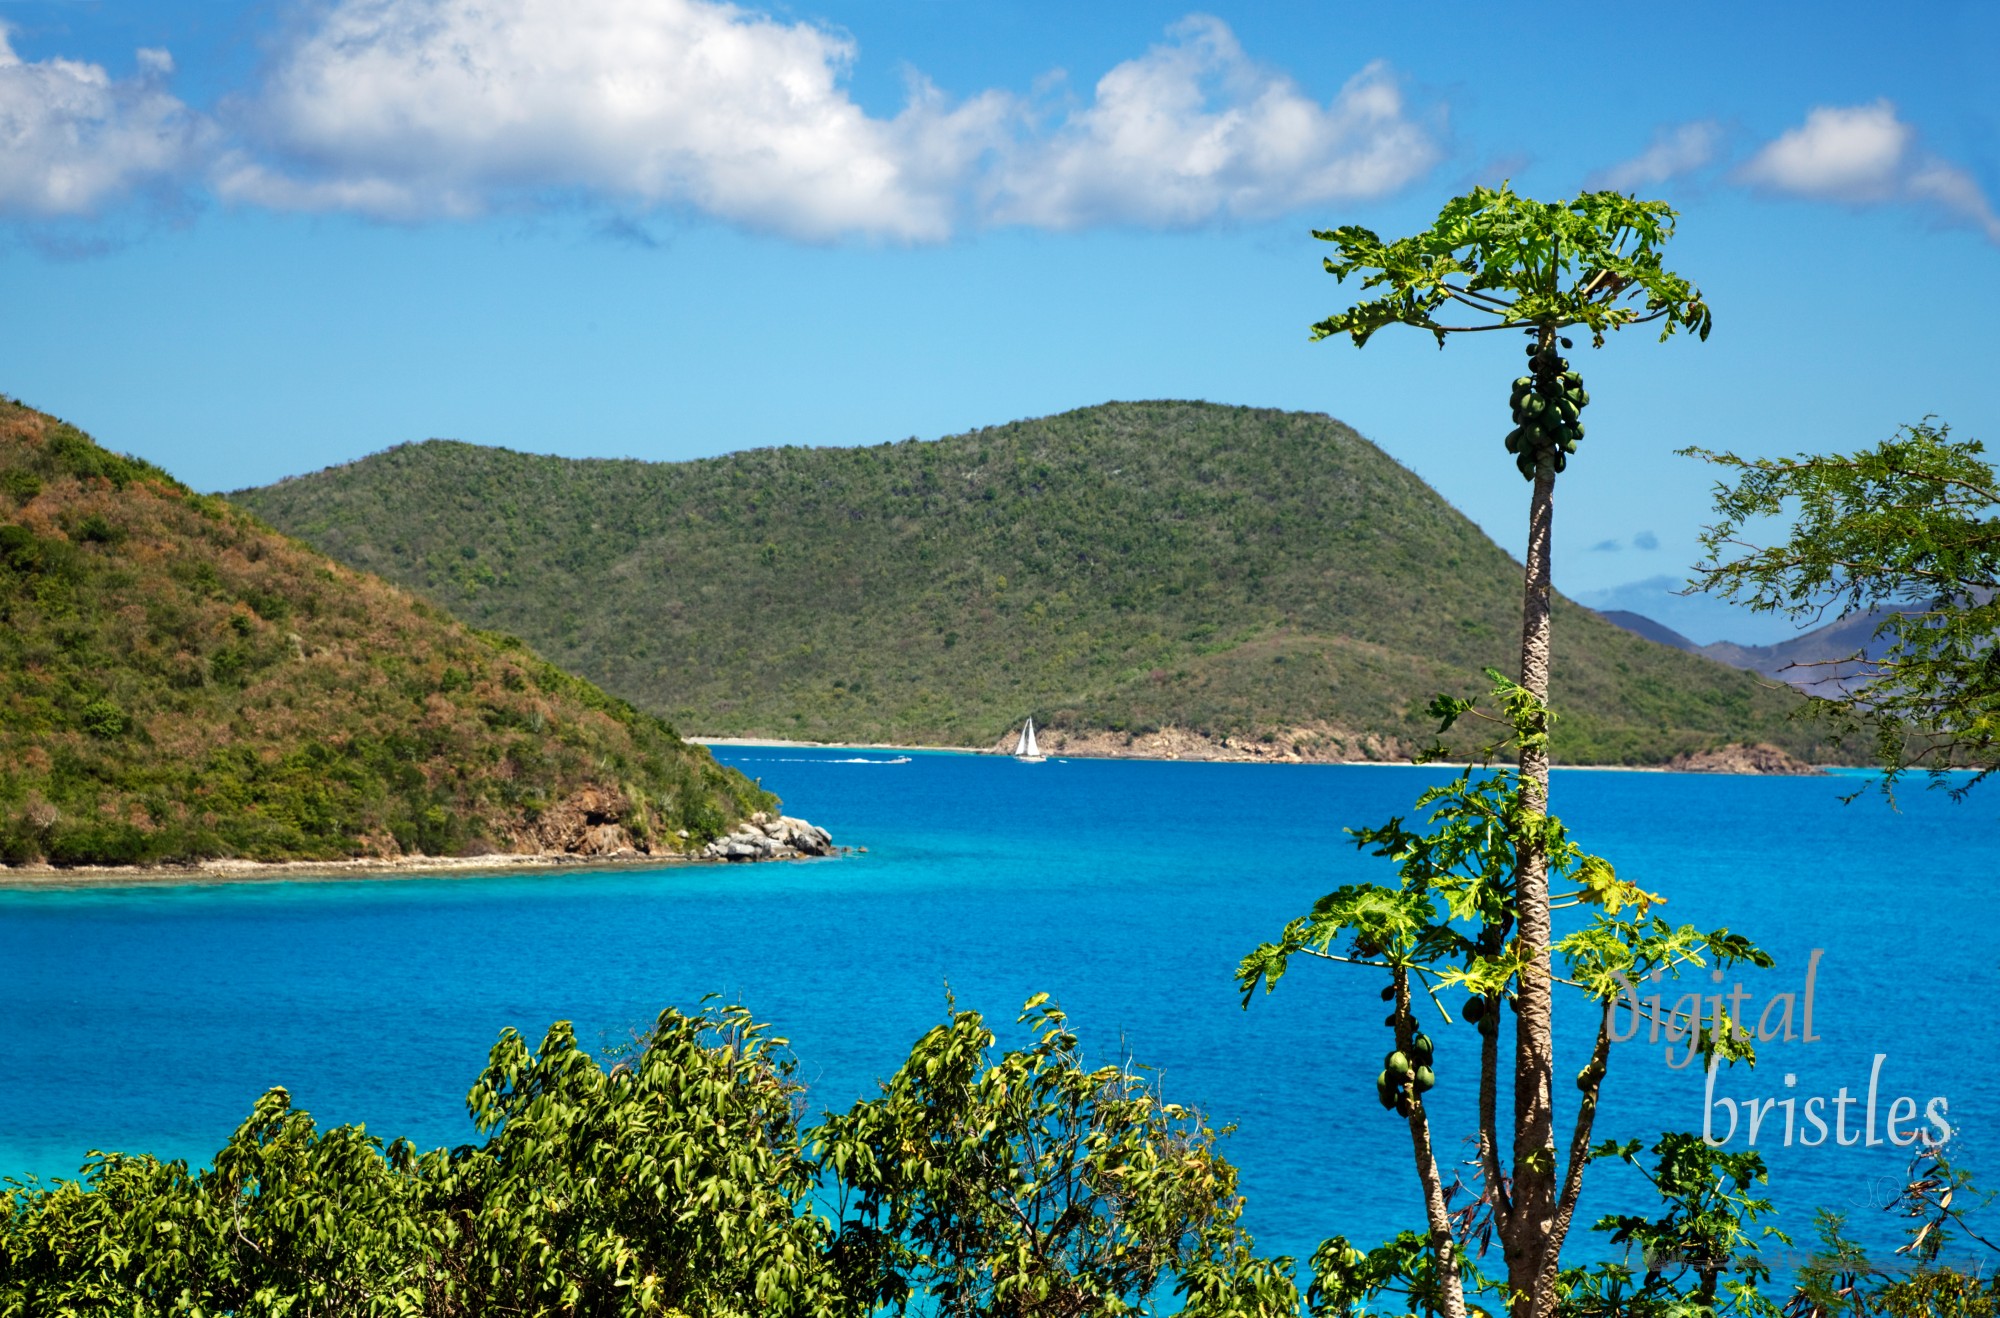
x,y
801,759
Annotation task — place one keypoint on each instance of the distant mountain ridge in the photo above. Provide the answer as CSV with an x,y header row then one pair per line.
x,y
1264,577
179,682
1811,661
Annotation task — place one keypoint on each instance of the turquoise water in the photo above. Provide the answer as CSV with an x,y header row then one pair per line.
x,y
150,1018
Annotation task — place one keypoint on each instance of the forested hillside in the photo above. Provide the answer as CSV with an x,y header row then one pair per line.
x,y
1238,572
180,682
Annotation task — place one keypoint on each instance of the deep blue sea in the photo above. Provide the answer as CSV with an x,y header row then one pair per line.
x,y
149,1018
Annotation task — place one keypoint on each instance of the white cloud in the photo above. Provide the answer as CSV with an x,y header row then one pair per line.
x,y
422,108
417,108
1854,154
1674,151
451,109
74,139
1865,155
1194,131
1954,193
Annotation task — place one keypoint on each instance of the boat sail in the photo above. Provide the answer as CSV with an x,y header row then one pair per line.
x,y
1025,748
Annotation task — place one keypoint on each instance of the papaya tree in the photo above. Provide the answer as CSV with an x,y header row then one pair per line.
x,y
1452,922
1492,262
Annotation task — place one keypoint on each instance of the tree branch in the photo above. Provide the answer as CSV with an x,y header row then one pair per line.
x,y
1444,1243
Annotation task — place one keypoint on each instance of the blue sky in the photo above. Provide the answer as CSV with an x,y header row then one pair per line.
x,y
251,240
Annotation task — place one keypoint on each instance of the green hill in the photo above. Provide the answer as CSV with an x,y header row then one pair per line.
x,y
1230,571
178,682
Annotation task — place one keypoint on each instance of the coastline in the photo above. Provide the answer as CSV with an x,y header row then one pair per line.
x,y
1199,752
778,743
361,869
253,871
757,839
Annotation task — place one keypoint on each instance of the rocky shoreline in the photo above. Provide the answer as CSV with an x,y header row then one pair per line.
x,y
761,837
1306,743
1325,744
1762,758
771,837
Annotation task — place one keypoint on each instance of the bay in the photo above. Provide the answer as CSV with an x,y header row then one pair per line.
x,y
149,1018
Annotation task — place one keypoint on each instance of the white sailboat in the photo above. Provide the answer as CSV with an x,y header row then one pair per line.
x,y
1025,749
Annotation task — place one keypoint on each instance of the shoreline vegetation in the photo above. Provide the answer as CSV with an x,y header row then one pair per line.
x,y
307,871
764,836
180,684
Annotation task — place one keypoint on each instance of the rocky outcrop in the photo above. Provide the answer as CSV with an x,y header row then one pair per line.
x,y
1738,758
594,823
590,822
770,837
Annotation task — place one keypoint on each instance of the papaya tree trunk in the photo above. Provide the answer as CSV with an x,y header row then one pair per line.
x,y
1534,1170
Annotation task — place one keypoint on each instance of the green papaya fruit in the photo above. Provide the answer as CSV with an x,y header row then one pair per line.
x,y
1404,1107
1474,1009
1397,1065
1388,992
1562,460
1423,1048
1426,1079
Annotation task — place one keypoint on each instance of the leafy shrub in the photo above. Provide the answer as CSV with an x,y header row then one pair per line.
x,y
103,718
677,1180
23,485
96,529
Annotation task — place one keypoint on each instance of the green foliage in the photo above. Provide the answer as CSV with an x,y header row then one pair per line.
x,y
288,1221
1036,1184
677,1181
1398,1276
1510,262
22,485
179,682
1503,261
1116,570
1699,1257
1911,526
1449,919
